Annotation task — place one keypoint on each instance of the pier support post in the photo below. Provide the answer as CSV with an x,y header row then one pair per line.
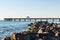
x,y
59,20
24,19
40,19
52,20
14,19
19,19
47,20
30,19
35,20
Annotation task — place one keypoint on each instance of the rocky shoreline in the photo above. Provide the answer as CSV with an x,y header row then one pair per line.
x,y
41,30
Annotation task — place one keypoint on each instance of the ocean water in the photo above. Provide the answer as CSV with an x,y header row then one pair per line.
x,y
9,27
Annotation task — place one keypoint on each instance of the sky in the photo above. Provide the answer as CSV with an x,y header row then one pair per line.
x,y
32,8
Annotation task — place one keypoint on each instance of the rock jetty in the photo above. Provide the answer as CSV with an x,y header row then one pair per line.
x,y
41,30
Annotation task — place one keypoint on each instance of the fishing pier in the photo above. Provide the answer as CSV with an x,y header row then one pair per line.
x,y
30,19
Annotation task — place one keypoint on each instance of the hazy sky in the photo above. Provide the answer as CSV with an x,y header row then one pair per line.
x,y
32,8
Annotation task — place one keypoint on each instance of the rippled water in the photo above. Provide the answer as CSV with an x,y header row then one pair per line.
x,y
9,27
